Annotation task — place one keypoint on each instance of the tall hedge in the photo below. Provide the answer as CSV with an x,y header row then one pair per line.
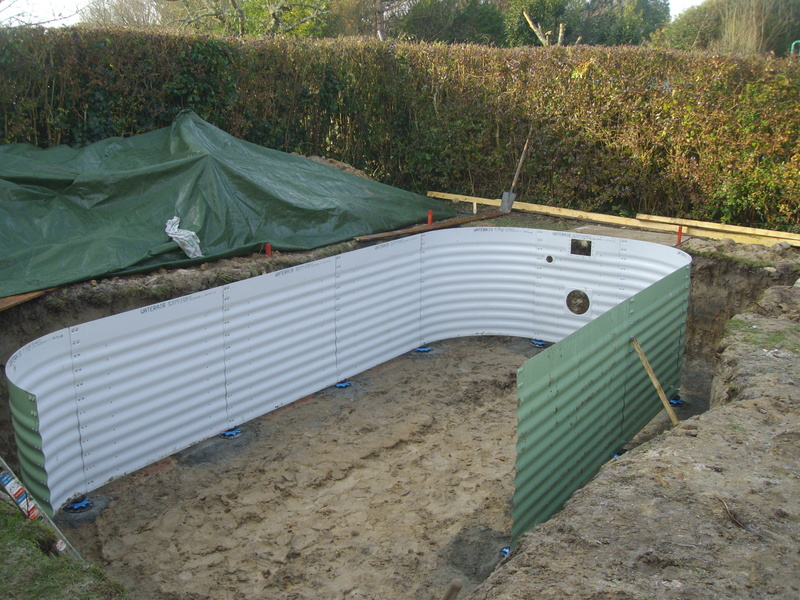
x,y
620,130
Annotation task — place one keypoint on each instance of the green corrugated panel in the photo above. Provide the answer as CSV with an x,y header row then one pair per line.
x,y
25,419
581,399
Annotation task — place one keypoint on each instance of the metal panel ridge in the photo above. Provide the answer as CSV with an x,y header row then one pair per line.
x,y
45,422
270,360
377,305
116,394
148,383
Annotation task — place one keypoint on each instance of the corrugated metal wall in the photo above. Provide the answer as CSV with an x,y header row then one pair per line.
x,y
45,429
113,395
581,399
279,340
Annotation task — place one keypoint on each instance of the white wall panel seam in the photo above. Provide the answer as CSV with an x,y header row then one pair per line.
x,y
75,403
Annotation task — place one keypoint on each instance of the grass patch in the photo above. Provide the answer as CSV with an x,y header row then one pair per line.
x,y
755,336
28,568
738,325
717,255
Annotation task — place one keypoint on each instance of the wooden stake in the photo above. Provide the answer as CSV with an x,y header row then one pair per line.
x,y
452,591
521,160
654,380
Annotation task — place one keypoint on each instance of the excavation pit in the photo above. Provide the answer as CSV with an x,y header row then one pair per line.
x,y
380,508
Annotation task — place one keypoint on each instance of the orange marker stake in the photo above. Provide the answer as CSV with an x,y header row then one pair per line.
x,y
430,217
680,234
268,249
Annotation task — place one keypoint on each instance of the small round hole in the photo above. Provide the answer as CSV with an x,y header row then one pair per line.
x,y
549,259
577,302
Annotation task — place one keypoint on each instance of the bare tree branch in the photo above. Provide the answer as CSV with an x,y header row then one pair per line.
x,y
13,14
543,37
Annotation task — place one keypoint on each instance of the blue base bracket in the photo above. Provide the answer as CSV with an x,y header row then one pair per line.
x,y
79,505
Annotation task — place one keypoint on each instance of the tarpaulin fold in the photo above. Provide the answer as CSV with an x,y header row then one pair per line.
x,y
68,214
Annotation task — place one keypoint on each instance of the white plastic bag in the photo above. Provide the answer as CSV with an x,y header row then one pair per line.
x,y
187,240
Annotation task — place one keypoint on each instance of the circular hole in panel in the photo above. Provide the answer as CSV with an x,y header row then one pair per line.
x,y
549,259
577,302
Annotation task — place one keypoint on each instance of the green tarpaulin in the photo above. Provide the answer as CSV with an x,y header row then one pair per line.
x,y
68,214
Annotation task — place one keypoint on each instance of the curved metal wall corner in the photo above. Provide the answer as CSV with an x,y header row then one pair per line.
x,y
42,388
581,399
115,394
25,420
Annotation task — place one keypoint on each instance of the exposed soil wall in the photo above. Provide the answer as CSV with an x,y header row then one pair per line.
x,y
726,279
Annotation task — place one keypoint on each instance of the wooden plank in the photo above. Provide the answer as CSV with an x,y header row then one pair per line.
x,y
736,237
594,217
10,301
424,228
654,380
745,235
462,198
566,213
763,233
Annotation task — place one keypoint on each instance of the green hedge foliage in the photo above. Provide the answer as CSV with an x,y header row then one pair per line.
x,y
619,130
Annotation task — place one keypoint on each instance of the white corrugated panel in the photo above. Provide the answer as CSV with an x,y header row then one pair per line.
x,y
148,382
118,393
377,305
477,281
280,342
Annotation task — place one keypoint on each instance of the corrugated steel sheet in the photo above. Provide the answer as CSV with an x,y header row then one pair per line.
x,y
116,394
25,420
147,383
377,313
581,399
46,394
280,339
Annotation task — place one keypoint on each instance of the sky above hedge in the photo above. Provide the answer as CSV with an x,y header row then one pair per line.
x,y
65,12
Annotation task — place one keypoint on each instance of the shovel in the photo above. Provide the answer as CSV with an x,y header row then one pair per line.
x,y
508,197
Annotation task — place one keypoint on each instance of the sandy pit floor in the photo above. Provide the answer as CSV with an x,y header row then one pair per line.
x,y
390,488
